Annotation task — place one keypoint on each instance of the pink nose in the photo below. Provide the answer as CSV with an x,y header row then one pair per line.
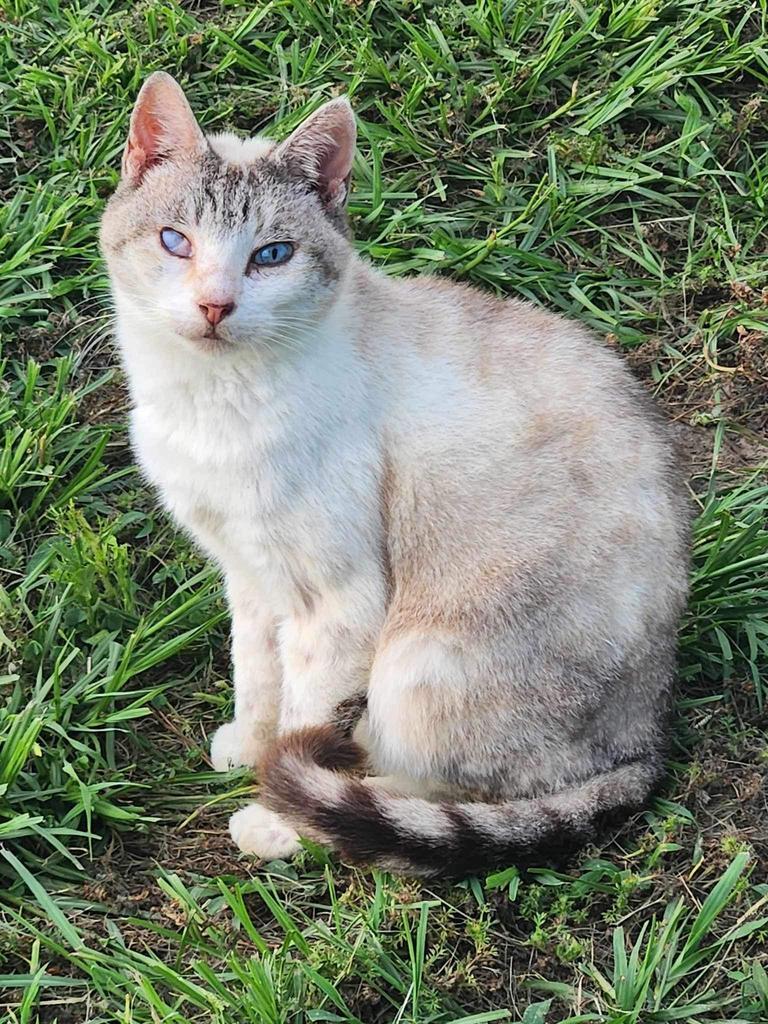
x,y
216,311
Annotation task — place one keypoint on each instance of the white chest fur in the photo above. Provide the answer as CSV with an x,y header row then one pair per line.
x,y
277,480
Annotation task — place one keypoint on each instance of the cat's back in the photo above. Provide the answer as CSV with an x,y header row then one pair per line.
x,y
510,424
523,458
466,361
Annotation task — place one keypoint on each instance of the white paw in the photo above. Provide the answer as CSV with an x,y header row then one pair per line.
x,y
236,744
255,829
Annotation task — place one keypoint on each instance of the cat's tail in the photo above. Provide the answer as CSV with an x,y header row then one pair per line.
x,y
306,779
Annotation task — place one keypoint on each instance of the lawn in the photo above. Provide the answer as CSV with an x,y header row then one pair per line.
x,y
606,158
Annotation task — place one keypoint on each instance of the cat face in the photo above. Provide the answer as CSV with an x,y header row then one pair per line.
x,y
220,242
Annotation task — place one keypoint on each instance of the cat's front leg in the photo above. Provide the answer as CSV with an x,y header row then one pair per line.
x,y
326,655
257,679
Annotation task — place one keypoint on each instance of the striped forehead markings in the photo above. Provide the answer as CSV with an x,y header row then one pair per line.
x,y
225,192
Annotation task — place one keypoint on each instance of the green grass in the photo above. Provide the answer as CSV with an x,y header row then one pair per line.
x,y
607,158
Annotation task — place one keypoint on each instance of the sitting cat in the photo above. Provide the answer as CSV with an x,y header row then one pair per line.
x,y
459,510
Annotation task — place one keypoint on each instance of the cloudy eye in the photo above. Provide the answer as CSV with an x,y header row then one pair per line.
x,y
272,255
175,243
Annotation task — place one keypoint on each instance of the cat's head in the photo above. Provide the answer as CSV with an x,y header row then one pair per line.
x,y
221,242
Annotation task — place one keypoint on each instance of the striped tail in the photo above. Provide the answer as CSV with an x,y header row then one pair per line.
x,y
306,780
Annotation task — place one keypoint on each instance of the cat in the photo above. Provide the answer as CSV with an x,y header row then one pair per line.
x,y
456,513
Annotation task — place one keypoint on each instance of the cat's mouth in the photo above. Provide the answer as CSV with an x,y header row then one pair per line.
x,y
211,340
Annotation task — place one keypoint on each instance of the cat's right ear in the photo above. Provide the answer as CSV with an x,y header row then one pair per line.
x,y
162,126
321,150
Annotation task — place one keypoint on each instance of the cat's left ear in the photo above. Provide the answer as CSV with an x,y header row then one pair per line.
x,y
163,127
321,150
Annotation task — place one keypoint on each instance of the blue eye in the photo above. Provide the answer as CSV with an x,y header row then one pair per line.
x,y
175,243
272,255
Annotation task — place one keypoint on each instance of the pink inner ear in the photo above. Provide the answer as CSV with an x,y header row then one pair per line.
x,y
144,142
334,165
